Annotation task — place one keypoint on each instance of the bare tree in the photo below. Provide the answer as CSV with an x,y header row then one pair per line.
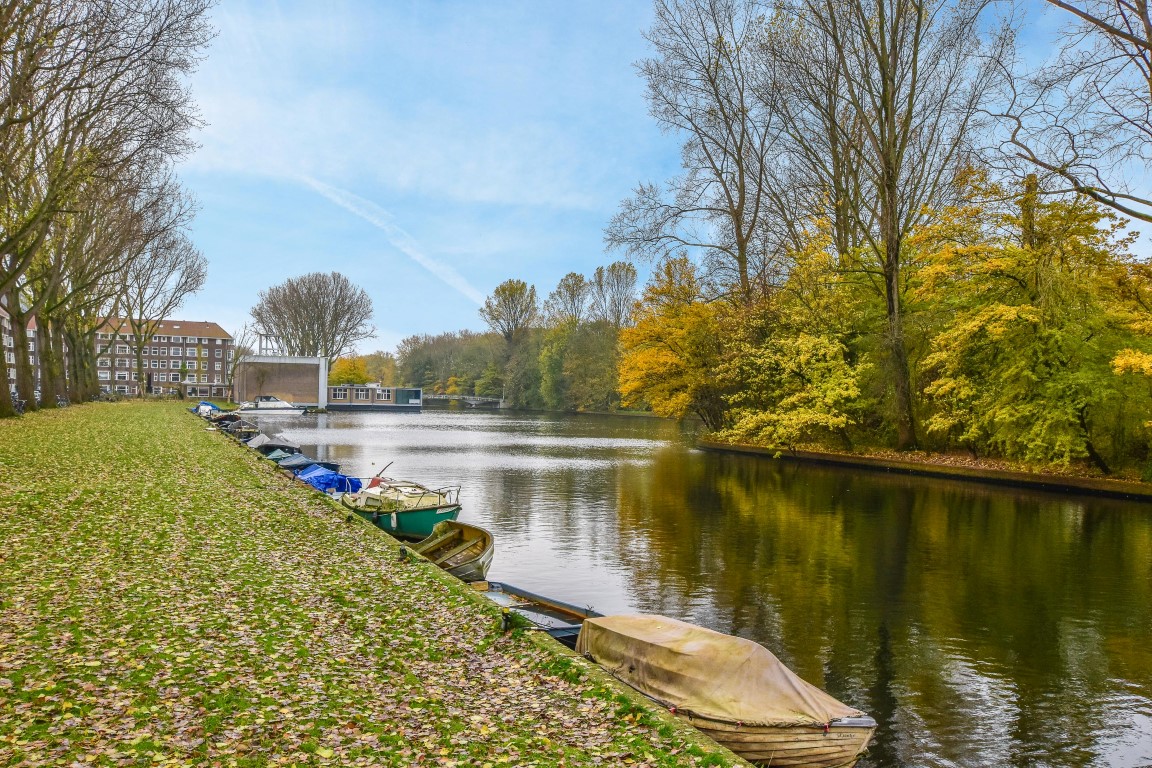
x,y
315,315
707,85
911,79
614,294
88,89
156,283
510,309
568,304
1087,117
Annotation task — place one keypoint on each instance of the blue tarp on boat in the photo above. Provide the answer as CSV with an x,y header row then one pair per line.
x,y
323,479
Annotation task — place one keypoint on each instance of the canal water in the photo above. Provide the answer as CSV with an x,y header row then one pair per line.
x,y
980,626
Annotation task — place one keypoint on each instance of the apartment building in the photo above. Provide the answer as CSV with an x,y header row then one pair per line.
x,y
180,355
8,345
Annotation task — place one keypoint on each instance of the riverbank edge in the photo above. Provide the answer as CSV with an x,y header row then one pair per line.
x,y
564,656
598,676
1117,489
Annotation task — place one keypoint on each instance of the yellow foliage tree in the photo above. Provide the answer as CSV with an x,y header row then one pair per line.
x,y
348,370
671,353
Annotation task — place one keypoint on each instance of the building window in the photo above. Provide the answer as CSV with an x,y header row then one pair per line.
x,y
160,338
176,351
121,375
103,363
362,393
203,365
163,363
122,362
104,375
190,352
340,393
218,351
203,378
203,340
384,394
176,339
163,351
160,377
216,379
121,349
144,350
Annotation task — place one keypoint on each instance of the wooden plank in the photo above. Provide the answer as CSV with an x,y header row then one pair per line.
x,y
436,542
455,551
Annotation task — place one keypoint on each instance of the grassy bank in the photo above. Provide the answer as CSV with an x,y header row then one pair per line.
x,y
166,599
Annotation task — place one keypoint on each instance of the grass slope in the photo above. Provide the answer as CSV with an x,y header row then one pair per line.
x,y
165,598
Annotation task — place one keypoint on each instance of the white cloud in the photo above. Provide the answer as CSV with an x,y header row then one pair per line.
x,y
382,220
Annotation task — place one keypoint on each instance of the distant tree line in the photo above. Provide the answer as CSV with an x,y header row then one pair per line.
x,y
559,354
94,113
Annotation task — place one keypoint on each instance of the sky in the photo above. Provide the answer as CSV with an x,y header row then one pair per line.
x,y
427,149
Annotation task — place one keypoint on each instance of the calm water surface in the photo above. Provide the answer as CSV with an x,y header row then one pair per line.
x,y
980,626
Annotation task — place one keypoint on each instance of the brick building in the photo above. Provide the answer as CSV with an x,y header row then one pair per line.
x,y
8,344
193,357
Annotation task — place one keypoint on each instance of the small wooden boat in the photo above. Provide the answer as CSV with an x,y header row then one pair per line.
x,y
404,508
559,619
734,690
465,551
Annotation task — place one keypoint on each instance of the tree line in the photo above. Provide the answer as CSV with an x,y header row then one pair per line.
x,y
885,232
94,114
561,353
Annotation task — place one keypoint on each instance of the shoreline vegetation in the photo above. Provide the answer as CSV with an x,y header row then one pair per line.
x,y
953,467
167,598
1075,478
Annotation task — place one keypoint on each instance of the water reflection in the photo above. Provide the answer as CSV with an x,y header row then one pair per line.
x,y
980,626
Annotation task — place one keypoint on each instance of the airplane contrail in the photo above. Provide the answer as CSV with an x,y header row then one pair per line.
x,y
384,221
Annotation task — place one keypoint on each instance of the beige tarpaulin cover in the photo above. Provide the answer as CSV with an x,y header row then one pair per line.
x,y
706,673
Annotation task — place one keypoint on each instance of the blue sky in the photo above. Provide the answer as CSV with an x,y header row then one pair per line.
x,y
428,150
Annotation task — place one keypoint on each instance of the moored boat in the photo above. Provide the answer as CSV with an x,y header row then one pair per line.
x,y
464,550
734,690
404,508
270,405
559,619
266,444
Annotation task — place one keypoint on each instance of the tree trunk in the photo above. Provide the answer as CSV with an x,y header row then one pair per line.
x,y
7,410
25,376
897,349
49,364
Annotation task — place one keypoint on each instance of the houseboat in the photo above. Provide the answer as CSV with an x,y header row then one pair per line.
x,y
373,397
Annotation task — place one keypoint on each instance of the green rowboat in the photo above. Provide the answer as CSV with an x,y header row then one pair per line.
x,y
404,508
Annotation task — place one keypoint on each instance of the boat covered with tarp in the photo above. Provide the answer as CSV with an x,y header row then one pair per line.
x,y
298,461
205,408
266,444
324,479
734,690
